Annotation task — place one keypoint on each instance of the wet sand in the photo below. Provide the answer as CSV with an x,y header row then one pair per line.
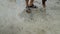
x,y
15,20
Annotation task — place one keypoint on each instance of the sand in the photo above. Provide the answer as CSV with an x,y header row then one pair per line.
x,y
14,19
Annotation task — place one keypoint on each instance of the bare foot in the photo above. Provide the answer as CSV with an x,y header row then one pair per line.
x,y
28,11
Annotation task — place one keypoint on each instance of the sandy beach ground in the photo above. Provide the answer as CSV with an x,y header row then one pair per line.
x,y
14,19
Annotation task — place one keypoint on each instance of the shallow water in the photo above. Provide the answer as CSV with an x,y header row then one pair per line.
x,y
15,20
